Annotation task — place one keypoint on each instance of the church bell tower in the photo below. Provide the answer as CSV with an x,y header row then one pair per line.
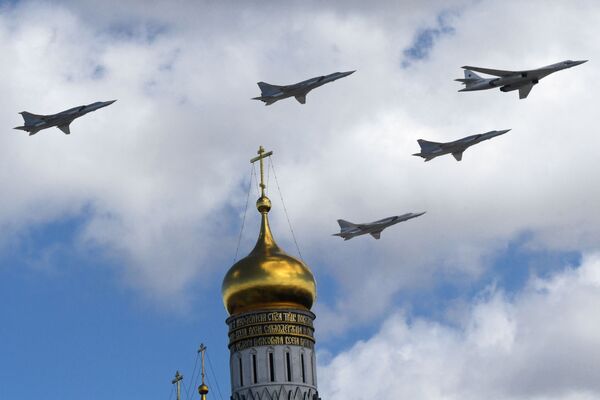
x,y
268,295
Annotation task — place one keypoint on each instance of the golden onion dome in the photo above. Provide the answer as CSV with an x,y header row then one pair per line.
x,y
268,277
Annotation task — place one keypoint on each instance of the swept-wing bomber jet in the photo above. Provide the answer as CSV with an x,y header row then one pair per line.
x,y
35,123
431,150
508,81
269,94
348,230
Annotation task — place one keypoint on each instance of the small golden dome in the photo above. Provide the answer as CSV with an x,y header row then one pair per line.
x,y
203,389
268,277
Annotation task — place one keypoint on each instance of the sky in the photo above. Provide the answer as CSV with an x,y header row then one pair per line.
x,y
114,240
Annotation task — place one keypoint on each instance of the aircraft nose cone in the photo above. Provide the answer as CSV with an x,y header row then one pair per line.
x,y
570,64
108,103
502,132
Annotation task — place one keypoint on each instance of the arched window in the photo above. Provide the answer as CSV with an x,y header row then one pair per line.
x,y
254,371
288,365
271,361
241,371
313,373
302,367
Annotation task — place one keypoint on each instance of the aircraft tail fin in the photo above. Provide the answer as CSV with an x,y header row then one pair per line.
x,y
428,146
345,224
267,89
470,77
30,118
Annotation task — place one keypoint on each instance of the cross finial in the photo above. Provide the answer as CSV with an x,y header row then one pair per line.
x,y
202,350
261,156
176,381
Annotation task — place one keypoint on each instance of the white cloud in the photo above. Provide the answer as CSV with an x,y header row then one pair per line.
x,y
542,344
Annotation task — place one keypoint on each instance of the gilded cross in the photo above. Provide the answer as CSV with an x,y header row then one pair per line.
x,y
261,156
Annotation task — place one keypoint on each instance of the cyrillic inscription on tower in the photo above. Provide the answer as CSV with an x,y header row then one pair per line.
x,y
269,328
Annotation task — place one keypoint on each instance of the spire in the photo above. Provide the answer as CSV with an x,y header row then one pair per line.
x,y
265,242
202,389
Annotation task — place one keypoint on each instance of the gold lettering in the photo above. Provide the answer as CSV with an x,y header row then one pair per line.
x,y
290,340
271,341
270,329
269,317
255,330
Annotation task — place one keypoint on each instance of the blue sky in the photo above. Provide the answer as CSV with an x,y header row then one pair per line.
x,y
115,239
69,323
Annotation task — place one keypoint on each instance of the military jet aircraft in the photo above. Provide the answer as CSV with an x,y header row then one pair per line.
x,y
431,150
508,81
269,94
350,230
35,123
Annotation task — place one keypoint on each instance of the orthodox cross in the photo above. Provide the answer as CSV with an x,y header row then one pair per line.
x,y
177,381
202,350
261,155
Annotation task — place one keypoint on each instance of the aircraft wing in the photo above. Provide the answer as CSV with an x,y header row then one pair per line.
x,y
495,72
540,72
65,129
376,235
458,155
301,98
524,91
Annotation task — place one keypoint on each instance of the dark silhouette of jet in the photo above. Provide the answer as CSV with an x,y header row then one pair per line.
x,y
272,93
431,150
348,230
35,123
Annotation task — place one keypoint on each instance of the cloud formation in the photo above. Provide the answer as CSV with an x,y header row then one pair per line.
x,y
542,344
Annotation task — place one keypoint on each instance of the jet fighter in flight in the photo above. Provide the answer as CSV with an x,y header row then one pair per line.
x,y
508,81
272,93
431,150
348,230
35,123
